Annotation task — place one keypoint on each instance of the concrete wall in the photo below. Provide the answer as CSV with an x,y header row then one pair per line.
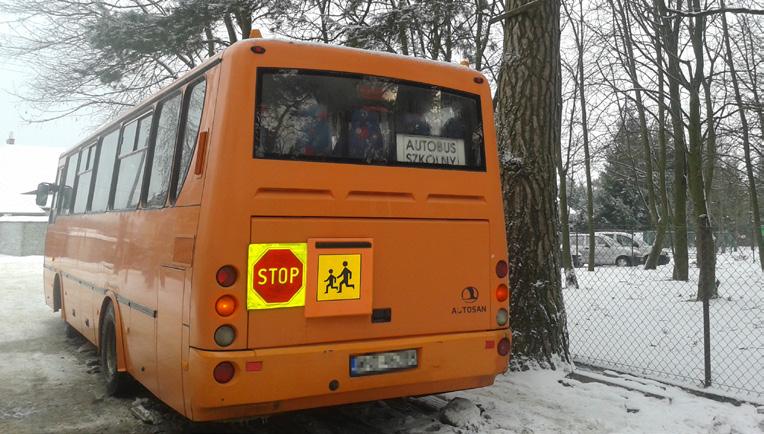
x,y
22,238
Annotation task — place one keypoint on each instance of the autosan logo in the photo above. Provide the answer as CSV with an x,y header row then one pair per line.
x,y
470,294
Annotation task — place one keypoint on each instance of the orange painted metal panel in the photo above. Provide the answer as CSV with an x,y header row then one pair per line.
x,y
323,297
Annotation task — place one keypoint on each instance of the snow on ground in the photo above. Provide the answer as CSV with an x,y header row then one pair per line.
x,y
45,386
44,383
641,321
536,402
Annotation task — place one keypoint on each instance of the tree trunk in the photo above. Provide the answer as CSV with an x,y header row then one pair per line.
x,y
644,135
579,35
754,199
709,162
571,281
663,219
671,38
704,238
529,125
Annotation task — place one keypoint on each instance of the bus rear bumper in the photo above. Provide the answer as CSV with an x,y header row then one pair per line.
x,y
294,378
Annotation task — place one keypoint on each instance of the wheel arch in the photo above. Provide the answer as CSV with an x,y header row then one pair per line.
x,y
110,299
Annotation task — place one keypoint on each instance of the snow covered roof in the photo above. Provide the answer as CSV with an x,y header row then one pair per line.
x,y
21,169
23,219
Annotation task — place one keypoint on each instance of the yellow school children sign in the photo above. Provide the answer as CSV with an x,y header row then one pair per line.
x,y
339,277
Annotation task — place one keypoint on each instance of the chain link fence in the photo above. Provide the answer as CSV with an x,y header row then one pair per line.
x,y
629,319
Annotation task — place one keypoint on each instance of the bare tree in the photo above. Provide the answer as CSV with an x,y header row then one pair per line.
x,y
746,141
704,239
578,33
117,53
670,37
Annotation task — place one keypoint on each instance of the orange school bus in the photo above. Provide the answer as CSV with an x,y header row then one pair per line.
x,y
288,226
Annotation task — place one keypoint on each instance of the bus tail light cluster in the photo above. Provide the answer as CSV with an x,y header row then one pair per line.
x,y
223,372
503,347
502,294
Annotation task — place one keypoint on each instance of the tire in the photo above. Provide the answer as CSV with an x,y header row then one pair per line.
x,y
70,331
116,382
623,261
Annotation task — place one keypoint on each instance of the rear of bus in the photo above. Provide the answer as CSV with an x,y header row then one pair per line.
x,y
351,241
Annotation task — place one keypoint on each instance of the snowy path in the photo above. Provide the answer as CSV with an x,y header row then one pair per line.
x,y
45,387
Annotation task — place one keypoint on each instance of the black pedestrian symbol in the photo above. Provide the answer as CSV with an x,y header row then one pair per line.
x,y
346,275
331,279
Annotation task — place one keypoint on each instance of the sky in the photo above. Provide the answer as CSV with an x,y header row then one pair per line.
x,y
15,114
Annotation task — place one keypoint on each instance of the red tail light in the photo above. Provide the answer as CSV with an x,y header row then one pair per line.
x,y
502,268
226,276
502,348
223,372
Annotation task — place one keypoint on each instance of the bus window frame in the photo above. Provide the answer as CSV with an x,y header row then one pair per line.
x,y
54,205
86,149
75,154
183,123
260,70
100,140
148,113
94,175
151,146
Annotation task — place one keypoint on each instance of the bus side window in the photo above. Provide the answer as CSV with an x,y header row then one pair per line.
x,y
84,178
67,189
105,171
163,151
132,156
192,109
56,203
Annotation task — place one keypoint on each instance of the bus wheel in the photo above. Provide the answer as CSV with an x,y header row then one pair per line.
x,y
70,331
116,382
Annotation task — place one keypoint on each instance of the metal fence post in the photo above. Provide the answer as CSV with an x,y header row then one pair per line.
x,y
706,341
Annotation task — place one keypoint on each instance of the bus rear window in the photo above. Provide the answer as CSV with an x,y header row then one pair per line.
x,y
320,116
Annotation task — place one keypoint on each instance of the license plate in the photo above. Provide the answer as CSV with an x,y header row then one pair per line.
x,y
378,363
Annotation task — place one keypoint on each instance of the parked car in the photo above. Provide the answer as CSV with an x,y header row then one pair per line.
x,y
627,240
607,251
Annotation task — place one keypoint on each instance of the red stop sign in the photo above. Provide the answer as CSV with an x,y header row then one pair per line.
x,y
277,276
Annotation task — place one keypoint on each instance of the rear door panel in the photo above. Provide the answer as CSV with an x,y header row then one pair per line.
x,y
422,267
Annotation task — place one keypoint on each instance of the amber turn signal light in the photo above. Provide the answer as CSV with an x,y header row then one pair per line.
x,y
502,292
225,305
